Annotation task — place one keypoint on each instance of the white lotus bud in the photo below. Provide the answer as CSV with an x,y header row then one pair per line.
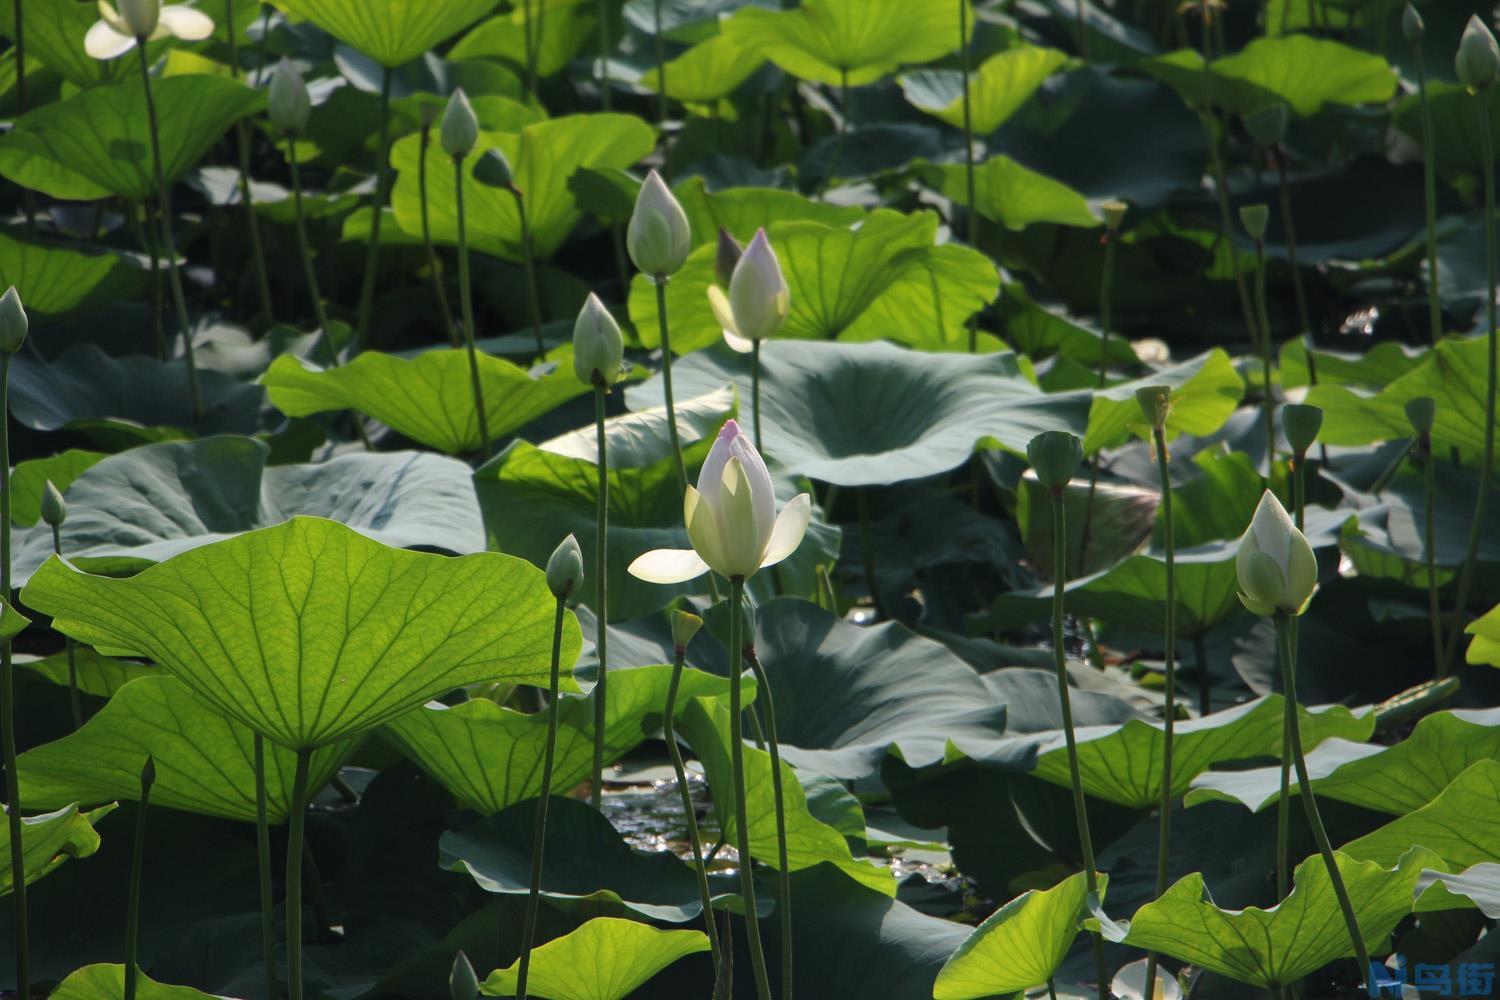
x,y
1275,564
659,238
758,296
1478,58
598,345
288,105
460,129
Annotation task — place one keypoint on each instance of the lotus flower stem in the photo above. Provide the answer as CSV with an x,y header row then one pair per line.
x,y
1205,682
661,70
1083,35
295,818
434,265
601,604
1226,225
133,900
8,705
372,250
531,40
1303,318
148,246
308,271
18,43
70,646
1268,394
737,766
539,831
1286,637
530,262
466,300
605,97
765,705
1106,283
964,69
760,444
242,143
867,550
666,382
169,247
689,813
1487,457
1429,199
1060,659
263,864
1429,545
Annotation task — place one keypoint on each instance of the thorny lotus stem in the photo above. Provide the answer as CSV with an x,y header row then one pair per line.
x,y
1429,543
168,243
689,812
263,864
737,767
666,382
539,831
1429,199
242,142
1268,394
372,251
295,818
434,265
1226,225
530,263
1487,458
8,706
1287,641
1106,284
601,602
133,900
1060,660
1303,317
466,300
70,646
765,704
1169,707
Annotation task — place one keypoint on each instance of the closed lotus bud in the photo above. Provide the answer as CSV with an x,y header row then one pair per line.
x,y
1155,402
1300,423
140,16
288,106
726,256
1275,564
659,238
1114,214
463,984
148,774
1478,58
13,322
1055,455
1411,24
598,345
1267,124
758,296
565,569
685,625
1255,218
493,170
1421,411
460,128
54,507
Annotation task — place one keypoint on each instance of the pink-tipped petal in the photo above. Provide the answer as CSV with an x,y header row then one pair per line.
x,y
712,474
104,42
762,493
668,566
791,526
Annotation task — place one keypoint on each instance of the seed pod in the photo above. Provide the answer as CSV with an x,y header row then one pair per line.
x,y
54,507
1300,423
288,106
1055,455
1255,218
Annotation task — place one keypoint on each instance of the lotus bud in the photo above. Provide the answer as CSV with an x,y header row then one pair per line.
x,y
1411,24
758,296
1255,218
289,104
13,322
1055,455
1300,423
1267,124
148,774
460,128
659,238
565,569
463,984
492,169
1421,411
1155,402
598,346
1478,58
685,625
1114,214
54,507
726,256
1275,564
140,16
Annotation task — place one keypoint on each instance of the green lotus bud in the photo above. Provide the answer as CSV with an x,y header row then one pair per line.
x,y
492,169
148,774
726,256
759,299
1275,564
1055,455
1421,411
1478,58
565,568
1411,24
659,238
288,106
1267,124
463,984
13,322
1155,402
598,346
54,507
1255,218
1300,423
1114,214
685,625
460,128
140,16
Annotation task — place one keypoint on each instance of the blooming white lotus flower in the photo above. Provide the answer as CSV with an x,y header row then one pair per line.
x,y
116,31
731,518
1275,564
758,299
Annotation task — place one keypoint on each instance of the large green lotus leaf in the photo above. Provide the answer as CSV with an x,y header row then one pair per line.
x,y
709,71
1205,392
809,841
1279,946
542,156
850,41
531,499
1309,72
150,503
743,210
205,761
1019,946
1382,363
1455,126
1485,648
997,89
605,959
98,675
1040,332
565,26
28,479
872,413
847,695
1120,517
948,282
1389,539
106,982
1215,504
1011,194
102,133
491,757
391,32
55,279
1396,779
639,439
428,398
308,632
52,838
44,174
54,35
1445,825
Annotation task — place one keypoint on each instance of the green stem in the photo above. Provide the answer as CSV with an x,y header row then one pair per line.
x,y
242,142
1164,840
296,816
760,444
539,831
666,381
8,705
169,246
530,262
1226,225
1060,659
1106,283
1487,458
1304,788
867,550
434,266
148,246
1283,808
737,766
133,903
1268,395
605,97
838,146
1303,316
18,43
1083,35
972,217
764,702
263,865
1205,682
308,271
70,646
689,814
466,301
661,72
1429,192
1429,546
530,41
601,601
372,250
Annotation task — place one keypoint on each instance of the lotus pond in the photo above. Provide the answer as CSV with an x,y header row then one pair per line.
x,y
879,499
